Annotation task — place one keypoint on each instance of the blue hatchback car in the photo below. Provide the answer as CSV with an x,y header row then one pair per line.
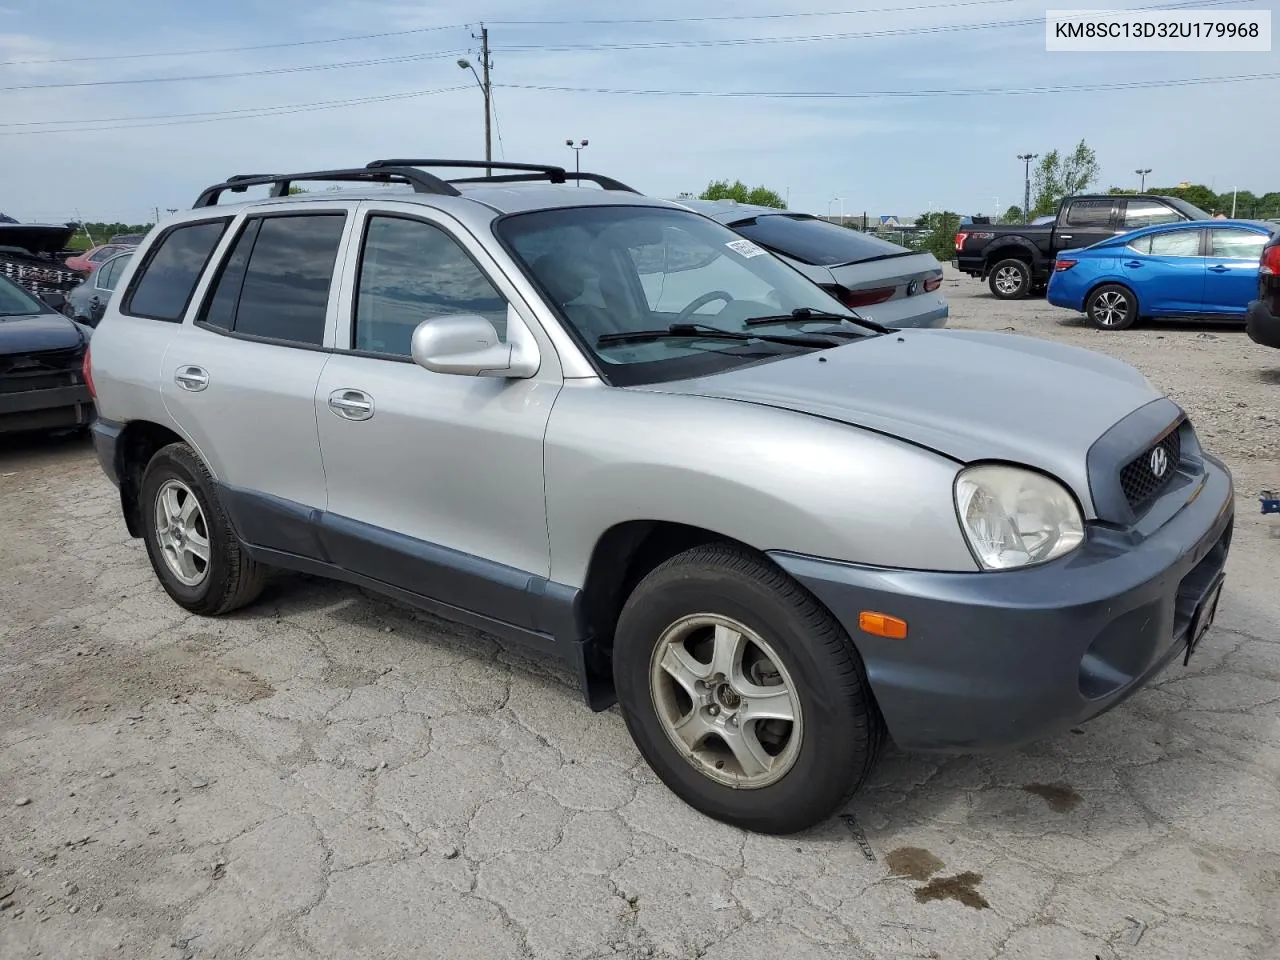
x,y
1205,269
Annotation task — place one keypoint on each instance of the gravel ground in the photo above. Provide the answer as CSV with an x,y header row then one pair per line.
x,y
327,775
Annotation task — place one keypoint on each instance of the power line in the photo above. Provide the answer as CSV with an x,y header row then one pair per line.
x,y
248,113
341,64
874,94
550,48
825,37
508,23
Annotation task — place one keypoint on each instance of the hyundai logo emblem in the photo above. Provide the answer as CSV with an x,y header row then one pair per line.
x,y
1159,462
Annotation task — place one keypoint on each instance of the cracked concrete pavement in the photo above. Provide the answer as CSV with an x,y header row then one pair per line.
x,y
329,775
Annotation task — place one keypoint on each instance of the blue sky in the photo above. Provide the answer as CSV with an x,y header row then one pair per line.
x,y
882,155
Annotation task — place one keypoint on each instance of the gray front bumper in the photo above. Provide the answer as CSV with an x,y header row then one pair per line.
x,y
999,659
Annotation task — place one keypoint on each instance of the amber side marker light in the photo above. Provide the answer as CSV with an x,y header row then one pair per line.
x,y
882,625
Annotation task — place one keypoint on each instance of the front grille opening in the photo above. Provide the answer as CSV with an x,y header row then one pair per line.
x,y
1142,480
42,370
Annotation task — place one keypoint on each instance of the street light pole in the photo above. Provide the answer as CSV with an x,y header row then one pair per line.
x,y
487,90
1142,182
577,156
1026,158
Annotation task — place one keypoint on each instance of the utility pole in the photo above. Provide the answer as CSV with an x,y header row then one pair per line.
x,y
486,88
1142,181
1233,203
1026,158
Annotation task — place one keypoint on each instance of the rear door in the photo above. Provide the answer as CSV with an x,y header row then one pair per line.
x,y
240,378
1166,270
1085,222
1231,269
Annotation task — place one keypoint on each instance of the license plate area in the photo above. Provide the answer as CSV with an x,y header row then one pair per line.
x,y
1202,618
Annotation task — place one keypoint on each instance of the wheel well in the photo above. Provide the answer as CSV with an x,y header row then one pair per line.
x,y
138,443
1010,253
622,557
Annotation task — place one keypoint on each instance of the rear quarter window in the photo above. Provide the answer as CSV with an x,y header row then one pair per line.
x,y
815,241
162,288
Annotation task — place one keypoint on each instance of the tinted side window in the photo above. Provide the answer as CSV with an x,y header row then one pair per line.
x,y
1089,213
163,287
1147,213
101,254
220,307
1176,243
1231,244
411,271
285,293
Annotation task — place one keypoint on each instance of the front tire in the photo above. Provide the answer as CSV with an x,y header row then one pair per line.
x,y
192,546
1112,307
744,695
1010,279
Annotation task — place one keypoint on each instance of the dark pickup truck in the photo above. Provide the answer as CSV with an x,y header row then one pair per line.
x,y
1016,260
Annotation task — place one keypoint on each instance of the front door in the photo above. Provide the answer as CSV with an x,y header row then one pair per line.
x,y
240,378
435,481
1231,270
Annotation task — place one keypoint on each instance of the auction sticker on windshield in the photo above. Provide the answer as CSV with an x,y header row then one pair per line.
x,y
745,247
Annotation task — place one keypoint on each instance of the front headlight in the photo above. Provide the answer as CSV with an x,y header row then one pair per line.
x,y
1014,517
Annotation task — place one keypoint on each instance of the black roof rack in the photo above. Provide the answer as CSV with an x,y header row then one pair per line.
x,y
405,171
555,174
281,182
535,172
608,183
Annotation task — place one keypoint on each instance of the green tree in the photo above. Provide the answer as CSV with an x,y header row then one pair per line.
x,y
937,234
1059,176
1013,215
760,196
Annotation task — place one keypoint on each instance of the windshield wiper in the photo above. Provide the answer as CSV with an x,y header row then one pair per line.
x,y
701,331
805,313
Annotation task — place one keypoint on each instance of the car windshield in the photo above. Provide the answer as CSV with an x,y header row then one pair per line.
x,y
612,270
16,302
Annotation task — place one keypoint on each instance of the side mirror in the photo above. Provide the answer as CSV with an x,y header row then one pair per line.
x,y
55,300
466,344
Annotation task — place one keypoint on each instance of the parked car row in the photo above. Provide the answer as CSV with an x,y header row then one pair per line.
x,y
1017,260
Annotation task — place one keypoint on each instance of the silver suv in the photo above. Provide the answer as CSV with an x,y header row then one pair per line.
x,y
775,532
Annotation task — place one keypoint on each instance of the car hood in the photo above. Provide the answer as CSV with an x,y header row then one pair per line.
x,y
39,331
36,238
969,395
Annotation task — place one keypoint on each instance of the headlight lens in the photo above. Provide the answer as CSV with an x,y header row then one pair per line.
x,y
1014,517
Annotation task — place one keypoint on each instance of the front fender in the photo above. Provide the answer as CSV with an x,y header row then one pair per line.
x,y
772,479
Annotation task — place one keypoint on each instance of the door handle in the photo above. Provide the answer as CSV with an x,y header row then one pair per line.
x,y
194,379
1132,263
1219,268
351,404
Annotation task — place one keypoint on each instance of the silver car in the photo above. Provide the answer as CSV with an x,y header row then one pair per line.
x,y
880,280
774,533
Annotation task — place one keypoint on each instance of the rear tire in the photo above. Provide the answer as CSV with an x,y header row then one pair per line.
x,y
193,549
1010,279
789,656
1112,307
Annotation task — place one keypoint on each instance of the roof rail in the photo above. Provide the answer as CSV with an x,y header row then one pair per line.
x,y
281,182
608,183
553,173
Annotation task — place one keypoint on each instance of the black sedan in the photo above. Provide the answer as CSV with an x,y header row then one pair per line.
x,y
42,383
